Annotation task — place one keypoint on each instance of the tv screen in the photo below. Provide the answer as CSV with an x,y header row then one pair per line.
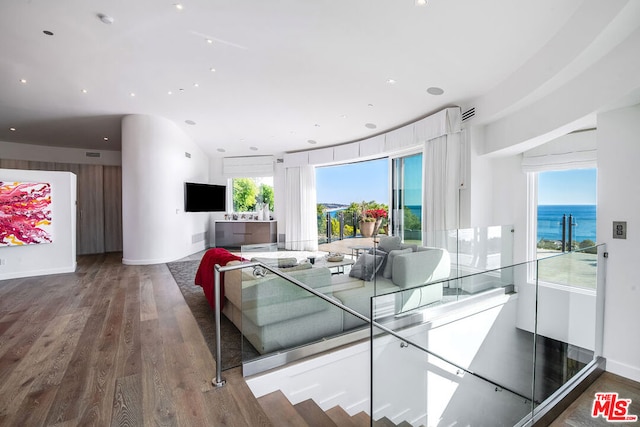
x,y
204,197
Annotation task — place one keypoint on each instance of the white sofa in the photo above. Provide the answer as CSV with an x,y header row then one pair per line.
x,y
274,314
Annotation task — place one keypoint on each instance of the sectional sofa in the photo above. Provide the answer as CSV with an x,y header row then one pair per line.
x,y
274,314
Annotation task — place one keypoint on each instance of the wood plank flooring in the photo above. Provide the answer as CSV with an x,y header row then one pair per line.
x,y
110,345
117,345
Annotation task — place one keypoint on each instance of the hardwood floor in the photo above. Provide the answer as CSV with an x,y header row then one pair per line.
x,y
117,345
110,345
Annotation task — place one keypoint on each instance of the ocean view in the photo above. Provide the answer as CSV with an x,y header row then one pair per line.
x,y
550,221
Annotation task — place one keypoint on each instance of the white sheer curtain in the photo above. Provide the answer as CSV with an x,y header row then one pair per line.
x,y
441,183
300,220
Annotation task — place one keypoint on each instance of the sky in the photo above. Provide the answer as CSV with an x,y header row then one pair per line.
x,y
571,187
354,182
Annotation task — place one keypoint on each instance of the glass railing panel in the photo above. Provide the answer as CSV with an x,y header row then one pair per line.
x,y
276,315
483,336
567,317
409,385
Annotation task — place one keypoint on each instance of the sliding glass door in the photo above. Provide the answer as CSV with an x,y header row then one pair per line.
x,y
407,198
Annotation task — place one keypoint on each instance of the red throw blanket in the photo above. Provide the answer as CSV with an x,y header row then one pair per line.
x,y
205,276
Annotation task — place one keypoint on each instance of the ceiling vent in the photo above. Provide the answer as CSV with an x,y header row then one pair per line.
x,y
467,115
187,155
279,160
92,154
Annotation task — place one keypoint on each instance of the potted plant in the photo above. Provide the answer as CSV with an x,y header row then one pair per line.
x,y
371,220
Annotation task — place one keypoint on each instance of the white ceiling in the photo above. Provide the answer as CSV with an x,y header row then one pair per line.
x,y
286,71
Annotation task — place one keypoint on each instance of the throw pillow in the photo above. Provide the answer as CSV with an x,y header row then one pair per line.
x,y
388,269
276,262
301,266
389,243
366,267
376,251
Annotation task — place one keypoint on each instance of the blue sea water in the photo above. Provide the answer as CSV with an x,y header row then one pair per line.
x,y
550,221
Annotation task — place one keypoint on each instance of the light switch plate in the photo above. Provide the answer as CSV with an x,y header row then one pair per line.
x,y
619,229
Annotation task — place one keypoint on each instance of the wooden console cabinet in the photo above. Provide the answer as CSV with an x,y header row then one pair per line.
x,y
233,234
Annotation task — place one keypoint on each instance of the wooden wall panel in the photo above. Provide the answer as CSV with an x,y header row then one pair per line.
x,y
112,208
90,210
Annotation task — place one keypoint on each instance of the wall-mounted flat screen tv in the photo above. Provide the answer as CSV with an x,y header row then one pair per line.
x,y
204,197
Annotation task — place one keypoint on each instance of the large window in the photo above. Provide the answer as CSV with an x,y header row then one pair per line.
x,y
407,198
251,194
566,210
348,193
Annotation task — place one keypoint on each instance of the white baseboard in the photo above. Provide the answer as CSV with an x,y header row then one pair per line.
x,y
33,273
624,370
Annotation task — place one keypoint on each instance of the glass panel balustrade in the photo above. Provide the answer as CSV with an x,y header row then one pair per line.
x,y
567,316
528,339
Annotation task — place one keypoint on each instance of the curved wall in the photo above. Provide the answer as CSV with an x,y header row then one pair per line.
x,y
155,167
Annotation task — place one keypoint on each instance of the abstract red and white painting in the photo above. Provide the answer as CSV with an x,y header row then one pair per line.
x,y
25,213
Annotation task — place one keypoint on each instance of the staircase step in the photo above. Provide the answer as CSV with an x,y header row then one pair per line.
x,y
341,417
280,411
313,414
384,422
362,419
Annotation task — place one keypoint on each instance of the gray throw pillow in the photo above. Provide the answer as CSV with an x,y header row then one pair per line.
x,y
388,268
389,243
366,267
376,251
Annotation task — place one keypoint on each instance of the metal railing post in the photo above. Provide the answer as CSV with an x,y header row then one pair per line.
x,y
217,381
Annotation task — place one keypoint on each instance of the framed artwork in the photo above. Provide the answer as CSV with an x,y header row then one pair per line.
x,y
25,213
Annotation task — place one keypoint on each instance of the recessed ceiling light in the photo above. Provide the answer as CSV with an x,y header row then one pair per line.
x,y
370,125
83,90
179,6
221,150
106,19
47,32
23,81
132,94
213,70
12,129
196,85
169,93
253,148
391,81
106,138
312,142
209,41
190,122
435,91
421,2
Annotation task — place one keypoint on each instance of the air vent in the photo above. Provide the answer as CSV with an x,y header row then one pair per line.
x,y
92,154
279,160
187,155
467,115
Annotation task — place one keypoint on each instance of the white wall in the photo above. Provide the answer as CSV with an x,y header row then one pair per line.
x,y
42,153
154,169
49,258
619,200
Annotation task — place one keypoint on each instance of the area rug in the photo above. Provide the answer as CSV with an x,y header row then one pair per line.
x,y
235,348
